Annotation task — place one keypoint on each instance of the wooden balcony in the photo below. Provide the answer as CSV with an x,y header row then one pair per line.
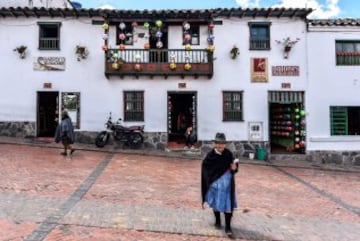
x,y
154,62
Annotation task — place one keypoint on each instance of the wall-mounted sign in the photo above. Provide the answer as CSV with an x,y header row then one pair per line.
x,y
286,85
182,85
47,85
285,70
255,131
49,63
259,70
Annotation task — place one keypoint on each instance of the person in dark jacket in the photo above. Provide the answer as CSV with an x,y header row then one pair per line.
x,y
217,182
65,133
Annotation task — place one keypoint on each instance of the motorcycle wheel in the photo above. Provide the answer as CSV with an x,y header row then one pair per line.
x,y
135,140
102,139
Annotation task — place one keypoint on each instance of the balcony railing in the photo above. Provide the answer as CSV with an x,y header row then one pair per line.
x,y
259,44
49,43
154,62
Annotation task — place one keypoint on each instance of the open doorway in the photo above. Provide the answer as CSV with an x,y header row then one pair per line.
x,y
287,125
47,112
182,113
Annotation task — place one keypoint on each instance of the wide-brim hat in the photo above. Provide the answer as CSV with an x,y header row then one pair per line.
x,y
220,138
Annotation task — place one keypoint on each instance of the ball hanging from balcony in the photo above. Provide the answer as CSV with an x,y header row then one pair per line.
x,y
105,26
146,25
172,66
146,46
158,23
159,44
105,36
115,65
137,67
186,26
122,36
122,46
122,26
158,34
187,66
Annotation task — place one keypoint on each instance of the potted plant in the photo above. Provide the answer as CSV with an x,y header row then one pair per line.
x,y
21,50
287,44
81,52
234,52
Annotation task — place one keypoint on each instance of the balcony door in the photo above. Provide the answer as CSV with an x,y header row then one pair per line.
x,y
157,44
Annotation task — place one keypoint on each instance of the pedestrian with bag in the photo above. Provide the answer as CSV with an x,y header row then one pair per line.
x,y
65,133
217,182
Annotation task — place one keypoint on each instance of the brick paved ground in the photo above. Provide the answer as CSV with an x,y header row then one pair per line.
x,y
110,196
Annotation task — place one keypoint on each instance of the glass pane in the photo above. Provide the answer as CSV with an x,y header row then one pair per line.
x,y
71,102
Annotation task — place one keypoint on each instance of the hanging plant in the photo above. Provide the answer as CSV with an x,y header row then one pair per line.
x,y
21,51
287,44
81,52
234,52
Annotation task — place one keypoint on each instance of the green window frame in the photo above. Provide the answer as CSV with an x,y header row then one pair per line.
x,y
232,106
259,35
347,52
344,120
133,105
49,35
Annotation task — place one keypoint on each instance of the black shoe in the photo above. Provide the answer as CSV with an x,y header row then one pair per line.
x,y
63,153
72,151
229,232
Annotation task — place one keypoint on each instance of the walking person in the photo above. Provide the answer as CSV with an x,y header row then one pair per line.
x,y
65,133
217,182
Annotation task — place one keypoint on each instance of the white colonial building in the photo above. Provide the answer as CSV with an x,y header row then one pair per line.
x,y
257,75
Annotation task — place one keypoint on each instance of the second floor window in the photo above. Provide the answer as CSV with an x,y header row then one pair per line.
x,y
344,120
192,35
49,35
347,52
259,36
133,105
124,34
232,106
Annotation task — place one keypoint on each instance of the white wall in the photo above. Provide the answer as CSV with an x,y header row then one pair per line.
x,y
329,85
100,95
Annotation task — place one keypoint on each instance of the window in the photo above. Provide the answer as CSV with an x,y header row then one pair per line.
x,y
259,36
71,102
348,52
345,120
49,36
192,36
124,34
232,106
133,105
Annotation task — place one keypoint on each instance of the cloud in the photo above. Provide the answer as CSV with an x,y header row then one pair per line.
x,y
107,6
327,10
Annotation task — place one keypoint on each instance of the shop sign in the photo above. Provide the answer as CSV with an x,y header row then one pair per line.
x,y
259,70
285,70
49,63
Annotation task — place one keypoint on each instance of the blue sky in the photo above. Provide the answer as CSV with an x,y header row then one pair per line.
x,y
322,8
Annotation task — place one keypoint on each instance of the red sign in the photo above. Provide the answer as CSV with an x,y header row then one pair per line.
x,y
47,86
286,85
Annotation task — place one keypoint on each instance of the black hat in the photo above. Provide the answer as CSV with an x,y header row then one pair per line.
x,y
220,138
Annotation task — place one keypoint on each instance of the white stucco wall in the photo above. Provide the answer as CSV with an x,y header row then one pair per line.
x,y
99,95
329,85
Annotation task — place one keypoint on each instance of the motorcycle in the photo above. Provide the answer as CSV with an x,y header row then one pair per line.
x,y
131,135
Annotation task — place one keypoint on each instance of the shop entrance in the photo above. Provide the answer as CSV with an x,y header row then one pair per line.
x,y
181,114
287,122
47,112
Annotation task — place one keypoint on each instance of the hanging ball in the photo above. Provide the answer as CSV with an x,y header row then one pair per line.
x,y
158,23
186,26
302,112
122,36
297,110
146,25
159,44
122,26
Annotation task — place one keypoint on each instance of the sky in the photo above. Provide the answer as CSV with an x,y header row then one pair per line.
x,y
321,8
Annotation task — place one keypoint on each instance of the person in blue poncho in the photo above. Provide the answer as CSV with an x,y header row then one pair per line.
x,y
65,133
217,182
